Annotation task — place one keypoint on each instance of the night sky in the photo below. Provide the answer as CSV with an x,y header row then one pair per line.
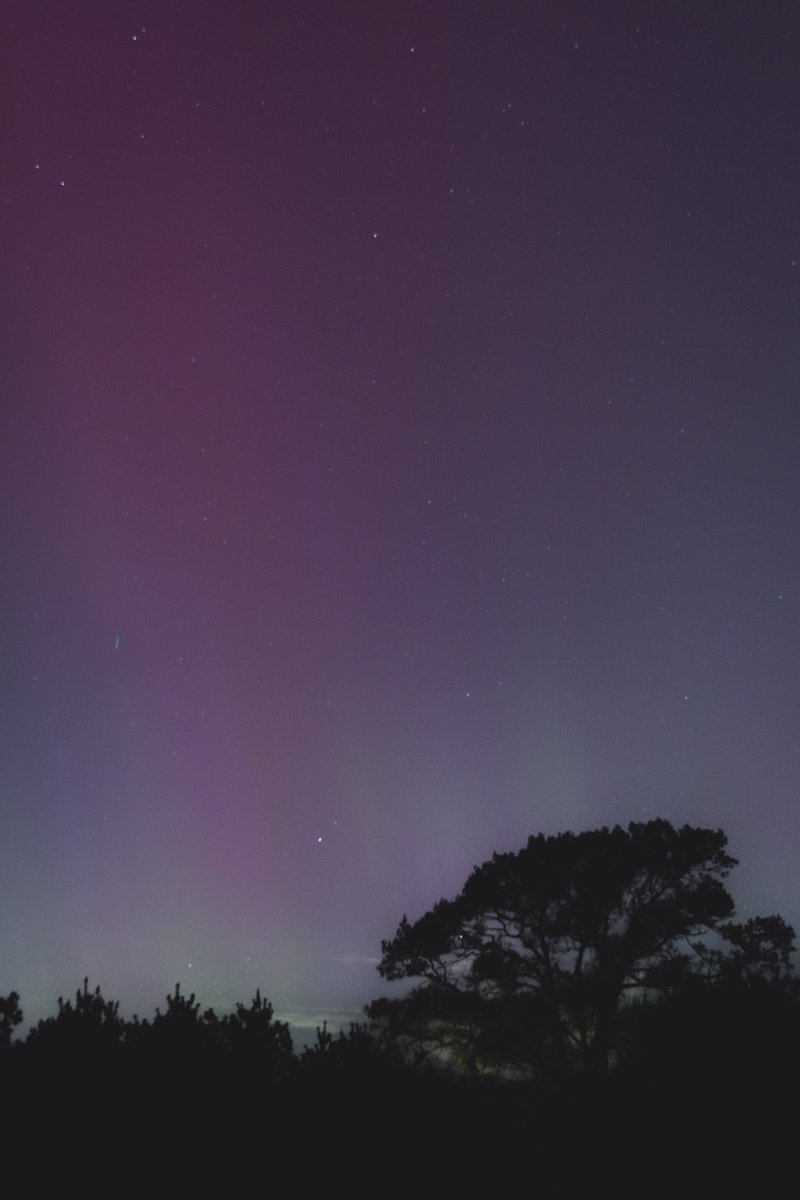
x,y
399,457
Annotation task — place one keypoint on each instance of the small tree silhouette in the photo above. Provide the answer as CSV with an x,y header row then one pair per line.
x,y
88,1026
10,1016
254,1036
181,1029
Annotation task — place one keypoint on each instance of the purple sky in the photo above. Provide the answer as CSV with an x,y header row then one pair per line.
x,y
399,456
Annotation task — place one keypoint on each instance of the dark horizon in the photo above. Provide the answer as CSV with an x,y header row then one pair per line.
x,y
398,458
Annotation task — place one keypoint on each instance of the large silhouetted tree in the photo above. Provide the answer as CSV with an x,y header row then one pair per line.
x,y
531,965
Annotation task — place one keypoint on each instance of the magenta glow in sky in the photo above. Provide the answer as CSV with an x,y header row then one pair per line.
x,y
398,457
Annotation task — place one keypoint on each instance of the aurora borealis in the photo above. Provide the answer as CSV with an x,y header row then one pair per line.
x,y
399,456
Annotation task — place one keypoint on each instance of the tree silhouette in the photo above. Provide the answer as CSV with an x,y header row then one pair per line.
x,y
10,1017
254,1038
531,965
90,1026
181,1033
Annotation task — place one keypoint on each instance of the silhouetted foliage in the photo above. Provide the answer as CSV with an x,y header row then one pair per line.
x,y
614,947
89,1026
10,1016
357,1053
529,968
256,1039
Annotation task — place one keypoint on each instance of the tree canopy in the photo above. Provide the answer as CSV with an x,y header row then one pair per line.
x,y
532,964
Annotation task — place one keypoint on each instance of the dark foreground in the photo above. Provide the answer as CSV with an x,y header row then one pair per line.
x,y
705,1099
211,1130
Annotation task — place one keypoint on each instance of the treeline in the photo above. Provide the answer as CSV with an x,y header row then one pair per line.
x,y
715,1065
585,1007
210,1094
90,1026
728,1028
87,1043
